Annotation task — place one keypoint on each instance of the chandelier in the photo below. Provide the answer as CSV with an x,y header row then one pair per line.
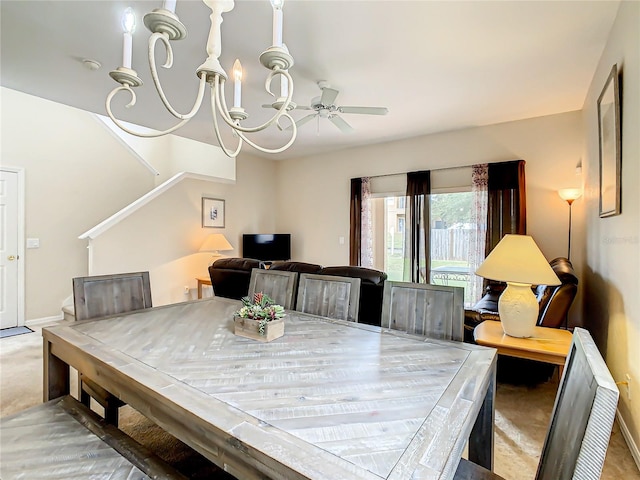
x,y
165,27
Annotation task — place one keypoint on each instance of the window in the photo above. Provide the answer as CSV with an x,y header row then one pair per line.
x,y
451,232
451,204
393,224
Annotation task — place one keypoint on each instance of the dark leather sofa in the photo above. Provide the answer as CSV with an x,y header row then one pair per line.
x,y
230,278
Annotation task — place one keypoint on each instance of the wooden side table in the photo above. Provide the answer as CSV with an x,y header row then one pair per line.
x,y
549,345
202,281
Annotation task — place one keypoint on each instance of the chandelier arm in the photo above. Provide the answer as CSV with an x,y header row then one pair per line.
x,y
166,27
218,86
169,62
216,130
113,93
294,133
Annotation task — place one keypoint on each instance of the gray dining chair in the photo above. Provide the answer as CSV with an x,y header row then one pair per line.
x,y
581,421
434,311
280,285
101,296
329,296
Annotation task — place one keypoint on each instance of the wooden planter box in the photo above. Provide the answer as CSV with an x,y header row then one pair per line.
x,y
246,327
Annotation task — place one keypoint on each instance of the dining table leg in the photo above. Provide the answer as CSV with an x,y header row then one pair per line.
x,y
482,434
56,374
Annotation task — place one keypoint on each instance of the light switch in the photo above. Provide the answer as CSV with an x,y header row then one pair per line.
x,y
341,240
33,243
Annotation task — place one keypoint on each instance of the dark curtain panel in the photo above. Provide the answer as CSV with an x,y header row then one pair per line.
x,y
506,208
418,226
355,233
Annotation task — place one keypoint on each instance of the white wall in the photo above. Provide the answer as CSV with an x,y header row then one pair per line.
x,y
612,257
169,155
164,236
313,193
76,175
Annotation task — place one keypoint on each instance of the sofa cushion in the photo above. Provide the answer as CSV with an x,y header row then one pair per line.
x,y
300,267
367,275
246,264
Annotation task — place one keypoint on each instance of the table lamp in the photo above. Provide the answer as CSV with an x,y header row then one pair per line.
x,y
518,261
214,243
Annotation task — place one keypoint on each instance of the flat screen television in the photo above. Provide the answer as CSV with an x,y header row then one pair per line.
x,y
267,247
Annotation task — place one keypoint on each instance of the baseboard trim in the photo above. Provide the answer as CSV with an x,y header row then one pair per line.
x,y
40,321
626,434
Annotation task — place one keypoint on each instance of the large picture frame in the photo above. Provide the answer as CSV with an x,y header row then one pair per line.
x,y
609,143
212,212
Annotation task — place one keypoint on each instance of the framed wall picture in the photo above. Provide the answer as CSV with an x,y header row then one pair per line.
x,y
609,136
212,212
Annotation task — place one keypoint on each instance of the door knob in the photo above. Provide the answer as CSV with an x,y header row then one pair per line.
x,y
11,258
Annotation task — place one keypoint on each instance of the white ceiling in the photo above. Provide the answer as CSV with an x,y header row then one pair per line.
x,y
437,66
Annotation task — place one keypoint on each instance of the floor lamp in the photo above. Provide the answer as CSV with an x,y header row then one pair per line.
x,y
569,195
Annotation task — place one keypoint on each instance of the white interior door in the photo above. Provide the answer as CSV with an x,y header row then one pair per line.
x,y
9,258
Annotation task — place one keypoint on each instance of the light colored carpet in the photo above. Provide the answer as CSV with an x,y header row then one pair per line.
x,y
522,416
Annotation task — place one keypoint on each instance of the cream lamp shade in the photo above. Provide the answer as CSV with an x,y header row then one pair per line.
x,y
214,243
518,261
570,194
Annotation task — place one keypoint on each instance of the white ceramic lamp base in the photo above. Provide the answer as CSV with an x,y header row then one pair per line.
x,y
518,309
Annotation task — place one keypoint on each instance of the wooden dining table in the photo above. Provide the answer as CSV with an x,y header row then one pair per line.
x,y
328,400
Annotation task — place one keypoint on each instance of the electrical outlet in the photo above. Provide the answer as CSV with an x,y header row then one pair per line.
x,y
186,289
628,378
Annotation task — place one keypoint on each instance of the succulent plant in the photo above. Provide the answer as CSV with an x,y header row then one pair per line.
x,y
262,308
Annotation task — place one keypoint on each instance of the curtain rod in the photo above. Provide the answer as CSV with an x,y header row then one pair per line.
x,y
431,170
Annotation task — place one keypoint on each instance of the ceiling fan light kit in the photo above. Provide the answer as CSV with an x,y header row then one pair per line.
x,y
165,27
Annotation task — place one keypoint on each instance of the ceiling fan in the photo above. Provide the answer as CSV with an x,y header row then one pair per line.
x,y
324,107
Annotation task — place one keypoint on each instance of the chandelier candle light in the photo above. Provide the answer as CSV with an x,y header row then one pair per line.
x,y
165,27
518,261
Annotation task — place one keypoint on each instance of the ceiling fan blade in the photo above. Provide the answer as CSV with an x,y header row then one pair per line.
x,y
341,124
328,96
306,119
303,120
297,107
365,110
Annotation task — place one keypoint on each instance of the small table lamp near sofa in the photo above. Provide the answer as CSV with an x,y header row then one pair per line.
x,y
214,243
518,261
